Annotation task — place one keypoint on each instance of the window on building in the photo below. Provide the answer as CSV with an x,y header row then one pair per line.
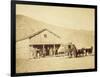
x,y
45,35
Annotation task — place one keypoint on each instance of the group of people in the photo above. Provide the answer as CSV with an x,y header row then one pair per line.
x,y
40,52
68,50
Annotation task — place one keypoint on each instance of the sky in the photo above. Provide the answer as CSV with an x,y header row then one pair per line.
x,y
67,17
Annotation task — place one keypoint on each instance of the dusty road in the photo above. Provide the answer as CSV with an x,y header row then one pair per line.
x,y
54,63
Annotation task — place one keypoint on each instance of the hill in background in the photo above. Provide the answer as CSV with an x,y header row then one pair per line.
x,y
26,27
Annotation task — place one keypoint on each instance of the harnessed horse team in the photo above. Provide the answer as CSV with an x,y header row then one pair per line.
x,y
71,51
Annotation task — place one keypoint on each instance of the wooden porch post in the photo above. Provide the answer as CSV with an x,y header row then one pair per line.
x,y
54,49
43,51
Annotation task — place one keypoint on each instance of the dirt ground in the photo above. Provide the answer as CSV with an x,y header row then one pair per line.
x,y
53,64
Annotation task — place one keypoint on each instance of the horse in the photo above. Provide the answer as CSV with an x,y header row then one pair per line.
x,y
89,51
80,52
84,51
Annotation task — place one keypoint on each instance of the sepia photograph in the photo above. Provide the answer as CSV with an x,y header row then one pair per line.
x,y
54,38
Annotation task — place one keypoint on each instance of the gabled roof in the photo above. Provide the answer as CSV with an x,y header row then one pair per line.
x,y
37,33
43,31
